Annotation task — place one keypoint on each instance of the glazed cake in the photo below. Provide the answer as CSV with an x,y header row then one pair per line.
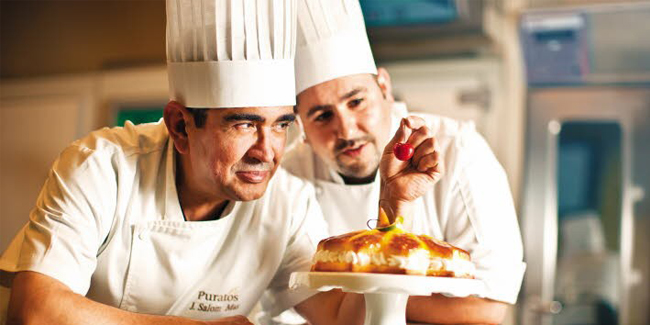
x,y
391,250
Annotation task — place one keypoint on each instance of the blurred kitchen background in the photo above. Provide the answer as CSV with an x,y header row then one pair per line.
x,y
560,90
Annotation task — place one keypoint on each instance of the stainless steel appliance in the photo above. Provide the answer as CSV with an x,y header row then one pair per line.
x,y
585,216
585,220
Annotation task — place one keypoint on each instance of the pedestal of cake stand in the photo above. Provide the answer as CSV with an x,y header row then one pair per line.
x,y
386,294
385,308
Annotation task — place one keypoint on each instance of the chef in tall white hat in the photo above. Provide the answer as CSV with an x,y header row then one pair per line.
x,y
188,220
348,116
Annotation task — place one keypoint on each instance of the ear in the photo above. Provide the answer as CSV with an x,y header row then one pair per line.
x,y
176,117
383,80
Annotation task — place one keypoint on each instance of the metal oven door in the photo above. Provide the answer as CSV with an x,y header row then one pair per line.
x,y
584,217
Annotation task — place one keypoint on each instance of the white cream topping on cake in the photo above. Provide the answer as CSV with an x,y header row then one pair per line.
x,y
418,261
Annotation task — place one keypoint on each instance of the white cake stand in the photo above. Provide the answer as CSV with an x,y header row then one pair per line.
x,y
386,294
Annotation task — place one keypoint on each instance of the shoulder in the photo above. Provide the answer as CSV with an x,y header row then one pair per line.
x,y
445,126
460,144
107,148
130,139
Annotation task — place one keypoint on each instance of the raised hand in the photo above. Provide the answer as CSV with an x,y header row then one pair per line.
x,y
403,181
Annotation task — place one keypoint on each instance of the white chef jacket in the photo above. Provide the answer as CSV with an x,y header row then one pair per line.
x,y
471,207
108,224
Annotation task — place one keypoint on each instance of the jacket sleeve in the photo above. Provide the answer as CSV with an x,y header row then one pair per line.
x,y
478,215
69,222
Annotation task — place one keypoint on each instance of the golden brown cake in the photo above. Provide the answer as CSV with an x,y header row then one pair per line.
x,y
391,250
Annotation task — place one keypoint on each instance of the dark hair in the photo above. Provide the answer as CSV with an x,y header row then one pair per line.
x,y
200,116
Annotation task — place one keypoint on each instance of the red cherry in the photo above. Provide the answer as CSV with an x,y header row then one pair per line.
x,y
403,151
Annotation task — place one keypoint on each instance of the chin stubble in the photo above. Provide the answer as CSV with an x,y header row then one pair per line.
x,y
359,168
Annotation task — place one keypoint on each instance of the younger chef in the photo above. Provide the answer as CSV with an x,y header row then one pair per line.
x,y
348,114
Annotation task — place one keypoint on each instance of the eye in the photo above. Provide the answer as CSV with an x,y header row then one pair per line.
x,y
325,116
282,126
244,126
355,102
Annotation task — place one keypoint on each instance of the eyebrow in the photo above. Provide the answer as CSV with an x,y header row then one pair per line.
x,y
353,92
317,108
243,117
347,95
286,118
257,118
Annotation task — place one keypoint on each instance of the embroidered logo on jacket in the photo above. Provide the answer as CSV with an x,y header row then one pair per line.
x,y
215,303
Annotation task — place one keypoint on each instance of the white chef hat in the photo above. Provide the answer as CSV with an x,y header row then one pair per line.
x,y
332,42
231,53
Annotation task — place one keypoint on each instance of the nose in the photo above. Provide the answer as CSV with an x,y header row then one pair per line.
x,y
262,149
347,125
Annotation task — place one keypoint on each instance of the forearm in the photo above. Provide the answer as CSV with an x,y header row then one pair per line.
x,y
333,308
444,310
352,310
39,299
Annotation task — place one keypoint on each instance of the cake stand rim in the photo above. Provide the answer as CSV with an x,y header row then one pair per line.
x,y
387,283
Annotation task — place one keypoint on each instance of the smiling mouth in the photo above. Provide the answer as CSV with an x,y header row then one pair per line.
x,y
353,151
253,177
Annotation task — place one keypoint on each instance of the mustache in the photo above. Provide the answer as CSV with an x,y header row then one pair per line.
x,y
258,166
345,144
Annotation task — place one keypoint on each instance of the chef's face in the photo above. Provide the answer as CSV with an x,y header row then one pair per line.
x,y
235,154
347,121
